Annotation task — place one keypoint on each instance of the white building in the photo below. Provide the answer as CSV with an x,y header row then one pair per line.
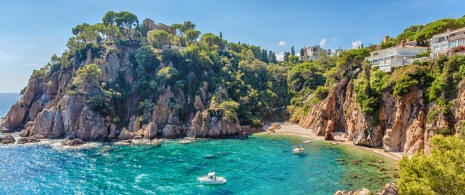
x,y
312,53
395,56
443,42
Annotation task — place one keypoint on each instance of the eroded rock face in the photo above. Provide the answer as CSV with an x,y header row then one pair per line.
x,y
171,131
91,126
400,125
43,125
15,116
150,131
214,123
409,119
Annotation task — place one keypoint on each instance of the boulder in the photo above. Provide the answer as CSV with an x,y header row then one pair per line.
x,y
150,131
125,135
44,123
389,189
31,139
72,142
8,139
24,133
170,131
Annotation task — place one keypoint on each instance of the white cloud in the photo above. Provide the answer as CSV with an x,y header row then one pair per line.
x,y
282,43
356,44
323,42
280,56
7,56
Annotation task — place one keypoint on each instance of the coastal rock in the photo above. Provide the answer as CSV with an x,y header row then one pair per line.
x,y
171,131
8,139
125,135
43,125
35,109
91,126
72,142
150,131
15,116
32,139
214,123
389,189
71,107
24,133
355,192
113,132
408,112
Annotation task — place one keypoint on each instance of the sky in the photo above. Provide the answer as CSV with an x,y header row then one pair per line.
x,y
32,31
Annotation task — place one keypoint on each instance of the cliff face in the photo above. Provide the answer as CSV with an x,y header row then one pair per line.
x,y
48,107
402,124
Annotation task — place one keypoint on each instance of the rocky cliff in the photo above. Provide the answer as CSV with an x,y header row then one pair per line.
x,y
403,124
52,108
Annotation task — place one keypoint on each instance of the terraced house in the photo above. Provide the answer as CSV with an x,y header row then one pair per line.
x,y
403,54
444,43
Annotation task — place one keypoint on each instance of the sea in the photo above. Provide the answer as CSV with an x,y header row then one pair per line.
x,y
261,164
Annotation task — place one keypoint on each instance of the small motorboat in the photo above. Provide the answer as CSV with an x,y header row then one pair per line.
x,y
211,179
298,150
307,141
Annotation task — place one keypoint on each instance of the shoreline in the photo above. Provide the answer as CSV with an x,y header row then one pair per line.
x,y
296,130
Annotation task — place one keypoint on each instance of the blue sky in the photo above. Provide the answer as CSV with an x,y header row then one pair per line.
x,y
32,31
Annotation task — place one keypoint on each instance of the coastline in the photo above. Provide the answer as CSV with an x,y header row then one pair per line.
x,y
296,130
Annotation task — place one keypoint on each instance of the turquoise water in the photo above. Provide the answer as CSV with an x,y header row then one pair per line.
x,y
6,101
262,164
258,165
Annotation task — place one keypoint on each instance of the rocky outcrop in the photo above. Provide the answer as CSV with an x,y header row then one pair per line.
x,y
54,106
214,123
399,126
355,192
150,131
389,189
72,142
125,134
8,139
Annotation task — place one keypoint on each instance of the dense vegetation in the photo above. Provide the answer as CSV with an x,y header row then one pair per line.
x,y
441,172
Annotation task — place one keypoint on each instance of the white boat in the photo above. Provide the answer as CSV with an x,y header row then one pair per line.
x,y
212,179
297,150
307,141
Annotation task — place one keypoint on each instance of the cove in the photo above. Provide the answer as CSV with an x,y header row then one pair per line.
x,y
262,164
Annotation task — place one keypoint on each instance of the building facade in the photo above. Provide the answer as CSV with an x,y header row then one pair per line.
x,y
387,59
313,53
442,43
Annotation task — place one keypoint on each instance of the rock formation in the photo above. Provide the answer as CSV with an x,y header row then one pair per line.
x,y
52,106
400,126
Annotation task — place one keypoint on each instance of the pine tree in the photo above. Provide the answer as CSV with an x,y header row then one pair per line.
x,y
302,52
272,58
221,34
292,51
286,56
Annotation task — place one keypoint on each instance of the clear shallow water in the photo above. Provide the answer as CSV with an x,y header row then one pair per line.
x,y
6,101
258,165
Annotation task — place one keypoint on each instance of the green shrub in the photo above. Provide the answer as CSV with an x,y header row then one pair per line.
x,y
403,85
442,131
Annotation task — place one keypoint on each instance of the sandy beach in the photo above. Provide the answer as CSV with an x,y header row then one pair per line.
x,y
296,130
